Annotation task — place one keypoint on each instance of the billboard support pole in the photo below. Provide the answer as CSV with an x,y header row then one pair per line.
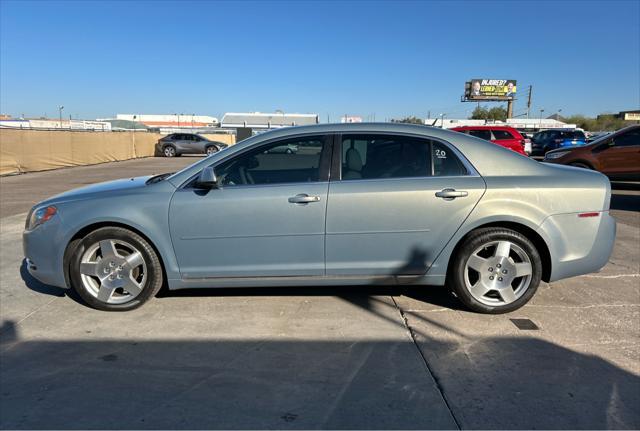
x,y
509,108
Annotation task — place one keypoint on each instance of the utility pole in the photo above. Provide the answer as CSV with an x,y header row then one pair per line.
x,y
529,100
60,108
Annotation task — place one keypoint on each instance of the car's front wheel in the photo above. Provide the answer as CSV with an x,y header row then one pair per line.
x,y
115,269
496,270
212,150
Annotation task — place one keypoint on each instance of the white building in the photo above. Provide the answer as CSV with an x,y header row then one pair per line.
x,y
172,121
260,120
523,124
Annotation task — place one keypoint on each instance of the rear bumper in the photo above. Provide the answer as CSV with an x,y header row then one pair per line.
x,y
578,245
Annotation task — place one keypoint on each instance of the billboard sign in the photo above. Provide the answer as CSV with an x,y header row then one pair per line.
x,y
490,89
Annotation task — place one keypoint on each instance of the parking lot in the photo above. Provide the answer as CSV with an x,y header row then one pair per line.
x,y
339,358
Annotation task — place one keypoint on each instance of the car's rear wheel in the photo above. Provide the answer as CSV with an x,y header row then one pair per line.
x,y
496,270
212,150
169,151
115,269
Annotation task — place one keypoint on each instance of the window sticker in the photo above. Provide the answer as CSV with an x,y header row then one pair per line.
x,y
441,154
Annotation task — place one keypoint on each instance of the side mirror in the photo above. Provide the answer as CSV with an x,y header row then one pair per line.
x,y
207,178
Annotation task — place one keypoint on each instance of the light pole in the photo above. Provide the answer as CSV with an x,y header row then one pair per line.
x,y
60,108
540,122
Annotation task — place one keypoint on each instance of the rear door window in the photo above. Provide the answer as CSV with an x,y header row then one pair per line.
x,y
501,135
629,139
482,134
572,134
384,156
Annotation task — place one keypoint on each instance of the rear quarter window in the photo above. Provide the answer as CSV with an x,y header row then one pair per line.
x,y
502,135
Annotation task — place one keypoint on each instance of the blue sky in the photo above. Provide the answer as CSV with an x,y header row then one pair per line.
x,y
390,59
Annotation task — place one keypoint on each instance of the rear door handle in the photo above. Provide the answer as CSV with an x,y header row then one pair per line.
x,y
303,199
451,194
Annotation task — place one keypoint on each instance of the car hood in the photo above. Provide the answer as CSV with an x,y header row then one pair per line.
x,y
99,188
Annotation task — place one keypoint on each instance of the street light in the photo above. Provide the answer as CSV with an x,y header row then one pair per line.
x,y
60,108
540,123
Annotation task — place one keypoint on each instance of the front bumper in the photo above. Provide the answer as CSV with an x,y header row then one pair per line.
x,y
43,249
578,245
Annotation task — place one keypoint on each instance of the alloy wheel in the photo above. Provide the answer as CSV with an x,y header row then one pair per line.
x,y
113,271
498,273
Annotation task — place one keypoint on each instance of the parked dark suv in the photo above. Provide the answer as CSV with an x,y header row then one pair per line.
x,y
177,144
548,140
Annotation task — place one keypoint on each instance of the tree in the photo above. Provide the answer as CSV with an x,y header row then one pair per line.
x,y
497,113
604,122
411,120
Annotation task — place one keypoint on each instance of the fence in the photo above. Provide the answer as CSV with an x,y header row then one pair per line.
x,y
33,150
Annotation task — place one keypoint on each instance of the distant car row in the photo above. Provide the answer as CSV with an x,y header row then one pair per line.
x,y
616,154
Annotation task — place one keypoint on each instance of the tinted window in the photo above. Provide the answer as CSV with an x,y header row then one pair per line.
x,y
482,134
384,156
632,137
571,134
502,134
445,162
290,161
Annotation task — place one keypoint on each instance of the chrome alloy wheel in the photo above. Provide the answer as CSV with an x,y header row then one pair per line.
x,y
113,271
498,273
169,151
211,150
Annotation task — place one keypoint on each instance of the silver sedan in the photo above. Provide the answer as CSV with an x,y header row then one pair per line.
x,y
355,204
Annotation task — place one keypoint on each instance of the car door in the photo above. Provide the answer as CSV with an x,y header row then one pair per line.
x,y
189,144
621,154
179,141
198,144
394,203
265,218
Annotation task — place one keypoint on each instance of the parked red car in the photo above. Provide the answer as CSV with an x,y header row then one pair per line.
x,y
507,137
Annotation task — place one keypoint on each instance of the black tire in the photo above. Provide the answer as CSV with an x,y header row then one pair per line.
x,y
580,165
477,239
169,151
212,149
153,269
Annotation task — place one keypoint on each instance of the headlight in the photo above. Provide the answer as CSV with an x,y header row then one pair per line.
x,y
40,215
552,156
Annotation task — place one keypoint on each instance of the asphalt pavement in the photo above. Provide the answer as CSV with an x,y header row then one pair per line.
x,y
342,358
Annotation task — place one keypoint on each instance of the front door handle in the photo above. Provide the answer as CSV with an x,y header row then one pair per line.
x,y
451,194
303,199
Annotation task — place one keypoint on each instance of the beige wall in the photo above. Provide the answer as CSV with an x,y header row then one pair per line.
x,y
34,150
220,137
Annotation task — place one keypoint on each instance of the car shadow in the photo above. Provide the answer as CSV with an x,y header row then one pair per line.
x,y
213,382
